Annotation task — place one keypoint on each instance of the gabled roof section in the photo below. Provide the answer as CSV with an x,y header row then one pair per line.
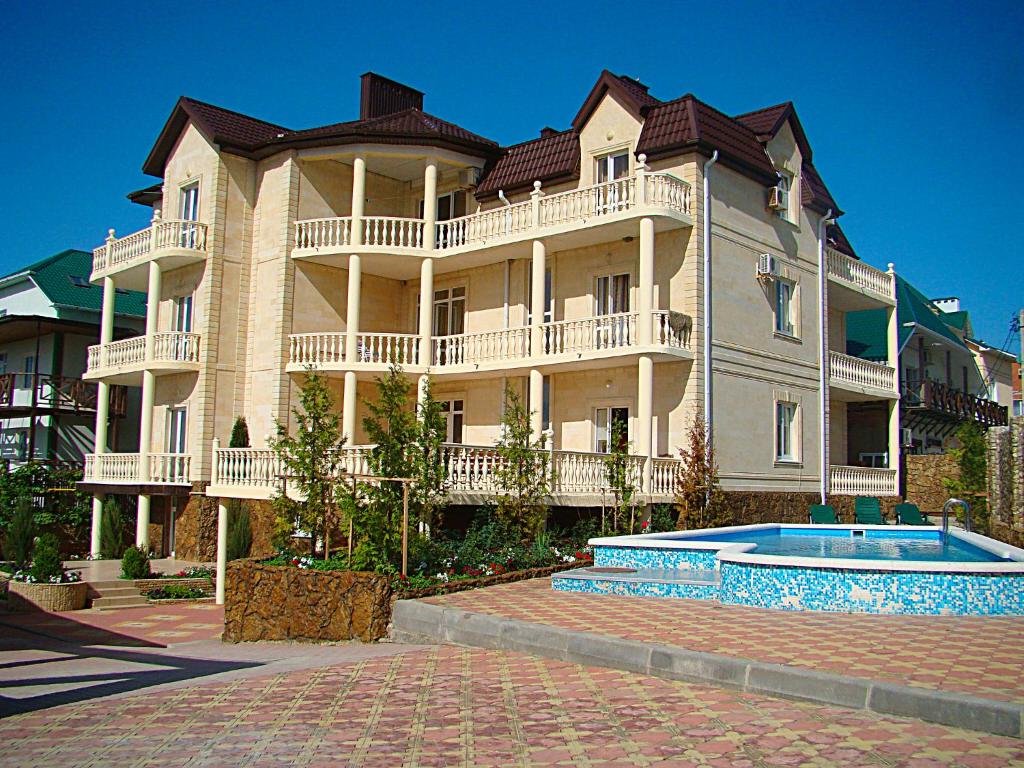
x,y
767,122
912,306
813,192
551,158
53,275
632,92
688,123
149,196
837,239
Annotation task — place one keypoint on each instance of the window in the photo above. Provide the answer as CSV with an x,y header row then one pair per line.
x,y
784,290
449,317
545,410
876,460
182,320
30,368
787,197
1018,407
449,206
785,424
452,410
189,210
612,167
610,421
549,299
3,362
611,302
176,427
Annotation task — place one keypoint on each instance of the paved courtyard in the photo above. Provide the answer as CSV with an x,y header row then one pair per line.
x,y
981,656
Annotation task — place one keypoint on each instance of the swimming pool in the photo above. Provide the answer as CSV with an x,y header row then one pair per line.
x,y
869,569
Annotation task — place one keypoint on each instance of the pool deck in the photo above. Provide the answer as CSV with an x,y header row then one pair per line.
x,y
963,656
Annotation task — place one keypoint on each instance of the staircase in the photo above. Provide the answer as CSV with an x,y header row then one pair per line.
x,y
115,593
659,582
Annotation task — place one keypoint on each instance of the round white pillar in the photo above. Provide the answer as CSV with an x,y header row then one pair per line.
x,y
222,549
536,404
95,543
646,279
348,407
645,417
426,310
142,522
355,276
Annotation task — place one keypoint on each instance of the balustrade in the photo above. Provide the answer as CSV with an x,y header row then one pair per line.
x,y
857,371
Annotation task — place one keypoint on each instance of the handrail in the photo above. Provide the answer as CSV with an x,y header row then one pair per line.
x,y
945,514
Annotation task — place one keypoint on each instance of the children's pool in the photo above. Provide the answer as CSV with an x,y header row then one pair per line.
x,y
865,569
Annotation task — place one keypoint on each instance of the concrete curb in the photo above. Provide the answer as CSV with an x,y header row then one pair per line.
x,y
419,622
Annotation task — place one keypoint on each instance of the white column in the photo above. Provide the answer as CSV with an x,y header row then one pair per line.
x,y
142,523
349,402
102,410
95,543
430,203
426,310
893,355
222,549
355,275
645,417
537,299
422,385
536,404
645,320
146,423
894,440
152,306
107,316
358,198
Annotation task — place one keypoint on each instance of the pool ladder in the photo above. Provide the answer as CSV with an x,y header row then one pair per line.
x,y
945,514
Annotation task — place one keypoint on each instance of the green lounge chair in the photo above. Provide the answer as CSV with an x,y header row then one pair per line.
x,y
867,510
910,514
822,514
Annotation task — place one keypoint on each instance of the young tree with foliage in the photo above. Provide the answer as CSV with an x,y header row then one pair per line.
x,y
21,534
428,493
112,530
522,473
239,529
617,476
239,434
64,507
312,460
972,459
700,499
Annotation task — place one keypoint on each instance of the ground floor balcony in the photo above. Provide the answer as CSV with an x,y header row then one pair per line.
x,y
171,243
577,478
124,361
22,394
863,481
137,469
581,343
859,379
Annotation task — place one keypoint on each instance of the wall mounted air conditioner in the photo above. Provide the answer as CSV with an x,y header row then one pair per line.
x,y
778,198
469,177
767,266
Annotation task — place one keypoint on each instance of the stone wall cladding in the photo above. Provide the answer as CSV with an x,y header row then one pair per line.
x,y
926,476
272,602
755,507
1006,478
195,533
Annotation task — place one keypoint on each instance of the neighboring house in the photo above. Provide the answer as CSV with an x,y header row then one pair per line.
x,y
570,267
940,380
49,315
1018,398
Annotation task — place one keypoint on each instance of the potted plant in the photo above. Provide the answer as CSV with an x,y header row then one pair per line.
x,y
47,585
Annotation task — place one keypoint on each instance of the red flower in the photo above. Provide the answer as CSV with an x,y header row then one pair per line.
x,y
295,561
644,524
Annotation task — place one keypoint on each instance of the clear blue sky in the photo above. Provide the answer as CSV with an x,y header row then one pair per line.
x,y
914,111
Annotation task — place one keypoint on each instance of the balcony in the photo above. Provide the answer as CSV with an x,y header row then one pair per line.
x,y
21,394
174,243
582,343
861,379
862,481
123,361
940,407
576,218
577,477
127,468
858,285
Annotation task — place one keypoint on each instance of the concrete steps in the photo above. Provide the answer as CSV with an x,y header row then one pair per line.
x,y
115,593
655,582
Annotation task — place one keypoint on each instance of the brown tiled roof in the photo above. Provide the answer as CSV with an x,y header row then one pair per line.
x,y
633,92
813,192
688,123
549,158
148,196
767,121
407,123
837,239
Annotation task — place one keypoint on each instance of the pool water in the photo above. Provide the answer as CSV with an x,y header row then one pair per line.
x,y
926,546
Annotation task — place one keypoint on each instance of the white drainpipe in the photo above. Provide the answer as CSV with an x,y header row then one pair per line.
x,y
823,363
707,299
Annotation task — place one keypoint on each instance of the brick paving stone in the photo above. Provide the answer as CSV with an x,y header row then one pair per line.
x,y
155,624
981,656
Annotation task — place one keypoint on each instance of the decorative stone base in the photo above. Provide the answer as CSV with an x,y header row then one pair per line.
x,y
926,476
755,507
47,597
196,529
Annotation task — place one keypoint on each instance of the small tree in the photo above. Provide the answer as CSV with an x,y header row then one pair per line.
x,y
521,475
239,434
971,457
21,534
239,529
135,564
46,563
425,466
311,460
617,475
700,499
112,530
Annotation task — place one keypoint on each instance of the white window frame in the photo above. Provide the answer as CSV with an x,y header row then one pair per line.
x,y
874,459
183,314
788,187
28,371
787,430
604,433
188,201
177,429
785,316
447,405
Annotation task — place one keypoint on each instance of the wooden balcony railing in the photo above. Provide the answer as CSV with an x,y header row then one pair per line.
x,y
59,393
948,402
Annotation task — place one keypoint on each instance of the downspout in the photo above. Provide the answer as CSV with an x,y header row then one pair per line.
x,y
707,301
823,364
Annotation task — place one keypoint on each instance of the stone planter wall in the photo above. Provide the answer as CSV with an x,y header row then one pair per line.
x,y
47,597
273,602
926,477
148,585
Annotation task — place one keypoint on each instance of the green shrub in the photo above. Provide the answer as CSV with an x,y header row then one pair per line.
x,y
135,564
176,592
21,534
46,562
239,434
239,530
112,530
663,518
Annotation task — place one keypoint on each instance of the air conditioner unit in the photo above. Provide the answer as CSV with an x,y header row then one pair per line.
x,y
778,198
767,266
906,437
469,177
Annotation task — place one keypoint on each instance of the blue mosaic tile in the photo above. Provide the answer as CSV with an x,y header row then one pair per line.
x,y
647,557
641,589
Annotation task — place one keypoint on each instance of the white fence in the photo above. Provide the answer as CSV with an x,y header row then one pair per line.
x,y
862,481
865,373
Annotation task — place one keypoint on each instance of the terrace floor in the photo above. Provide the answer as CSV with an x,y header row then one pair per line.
x,y
980,656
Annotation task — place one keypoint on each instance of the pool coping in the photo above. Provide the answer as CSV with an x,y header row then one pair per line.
x,y
414,621
740,552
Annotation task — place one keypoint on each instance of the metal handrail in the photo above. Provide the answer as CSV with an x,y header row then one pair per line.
x,y
945,514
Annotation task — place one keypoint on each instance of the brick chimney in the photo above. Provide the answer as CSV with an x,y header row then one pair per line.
x,y
548,131
379,96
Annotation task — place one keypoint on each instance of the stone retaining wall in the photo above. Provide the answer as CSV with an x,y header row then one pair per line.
x,y
195,531
1005,479
926,476
754,507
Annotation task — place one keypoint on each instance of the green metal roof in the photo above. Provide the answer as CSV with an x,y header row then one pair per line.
x,y
54,276
866,330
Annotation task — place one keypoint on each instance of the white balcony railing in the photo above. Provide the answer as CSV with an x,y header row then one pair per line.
x,y
862,481
323,233
672,329
483,347
163,468
167,347
478,228
846,369
855,272
112,467
117,354
175,347
392,232
169,468
316,349
263,468
590,334
161,235
664,475
387,348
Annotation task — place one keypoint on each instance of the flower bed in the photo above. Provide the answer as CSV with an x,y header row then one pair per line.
x,y
67,596
148,586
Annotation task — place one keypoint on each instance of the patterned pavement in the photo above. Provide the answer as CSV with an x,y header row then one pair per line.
x,y
981,656
458,706
154,625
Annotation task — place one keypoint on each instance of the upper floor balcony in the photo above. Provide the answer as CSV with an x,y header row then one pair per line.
x,y
138,468
172,242
934,401
575,218
582,343
124,361
21,394
855,285
860,379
